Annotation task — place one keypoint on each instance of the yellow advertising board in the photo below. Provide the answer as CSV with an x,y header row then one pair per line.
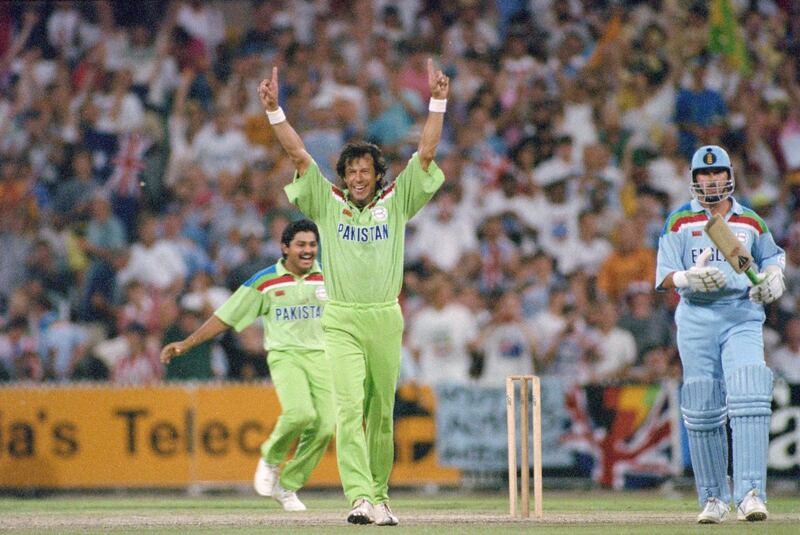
x,y
166,436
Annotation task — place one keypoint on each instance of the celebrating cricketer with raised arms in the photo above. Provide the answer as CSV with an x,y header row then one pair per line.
x,y
362,228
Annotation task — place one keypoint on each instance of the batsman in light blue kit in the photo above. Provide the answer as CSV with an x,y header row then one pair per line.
x,y
720,339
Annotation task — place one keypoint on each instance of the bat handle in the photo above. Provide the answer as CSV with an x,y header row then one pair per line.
x,y
752,275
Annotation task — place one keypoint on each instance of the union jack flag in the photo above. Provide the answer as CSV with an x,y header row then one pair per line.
x,y
626,431
128,165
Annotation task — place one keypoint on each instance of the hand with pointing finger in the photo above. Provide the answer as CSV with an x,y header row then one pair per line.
x,y
268,91
438,82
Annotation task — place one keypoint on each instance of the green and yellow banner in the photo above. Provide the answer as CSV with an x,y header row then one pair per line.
x,y
726,36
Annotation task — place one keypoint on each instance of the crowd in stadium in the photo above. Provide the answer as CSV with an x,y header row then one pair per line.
x,y
140,184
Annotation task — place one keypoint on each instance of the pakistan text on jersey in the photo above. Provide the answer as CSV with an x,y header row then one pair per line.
x,y
363,234
298,312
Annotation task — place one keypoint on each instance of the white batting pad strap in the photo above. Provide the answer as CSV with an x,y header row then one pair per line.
x,y
680,280
276,116
437,105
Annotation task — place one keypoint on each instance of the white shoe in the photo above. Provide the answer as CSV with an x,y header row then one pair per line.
x,y
751,508
715,511
287,498
265,478
361,513
384,515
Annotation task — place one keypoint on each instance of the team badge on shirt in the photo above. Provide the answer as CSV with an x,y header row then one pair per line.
x,y
380,213
321,294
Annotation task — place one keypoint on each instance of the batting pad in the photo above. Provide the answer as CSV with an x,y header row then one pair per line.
x,y
704,413
749,408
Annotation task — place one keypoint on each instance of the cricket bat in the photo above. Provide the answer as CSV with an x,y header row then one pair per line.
x,y
731,248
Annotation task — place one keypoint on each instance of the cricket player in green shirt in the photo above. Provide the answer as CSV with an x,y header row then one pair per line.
x,y
290,297
362,229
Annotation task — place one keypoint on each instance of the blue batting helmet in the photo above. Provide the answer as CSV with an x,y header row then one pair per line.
x,y
711,158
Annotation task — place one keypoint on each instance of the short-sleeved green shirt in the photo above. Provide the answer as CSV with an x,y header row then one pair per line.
x,y
291,307
363,248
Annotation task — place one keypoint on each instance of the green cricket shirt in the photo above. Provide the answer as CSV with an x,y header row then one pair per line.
x,y
291,307
363,248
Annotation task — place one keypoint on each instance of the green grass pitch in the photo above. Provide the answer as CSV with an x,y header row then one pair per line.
x,y
565,512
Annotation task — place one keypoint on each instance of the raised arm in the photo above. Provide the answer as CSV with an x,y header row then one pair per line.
x,y
432,130
287,136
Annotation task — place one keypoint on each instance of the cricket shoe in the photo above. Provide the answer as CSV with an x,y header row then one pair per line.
x,y
751,508
361,513
265,478
715,511
287,498
384,515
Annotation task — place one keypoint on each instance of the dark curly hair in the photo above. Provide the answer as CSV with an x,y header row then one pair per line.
x,y
358,149
301,225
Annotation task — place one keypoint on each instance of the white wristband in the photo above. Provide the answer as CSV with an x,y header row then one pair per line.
x,y
437,104
680,280
276,116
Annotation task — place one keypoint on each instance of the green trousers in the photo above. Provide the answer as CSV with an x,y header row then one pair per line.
x,y
363,347
303,383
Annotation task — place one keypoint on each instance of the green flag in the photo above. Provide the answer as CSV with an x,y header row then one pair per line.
x,y
726,36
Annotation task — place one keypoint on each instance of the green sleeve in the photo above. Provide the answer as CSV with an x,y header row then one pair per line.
x,y
309,192
243,307
415,186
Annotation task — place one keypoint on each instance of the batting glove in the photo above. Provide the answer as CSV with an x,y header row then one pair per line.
x,y
699,277
770,288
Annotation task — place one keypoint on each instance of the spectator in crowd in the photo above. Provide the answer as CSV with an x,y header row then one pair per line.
x,y
14,342
220,146
72,198
154,262
700,112
139,304
631,261
203,295
534,281
507,345
203,22
16,243
103,241
556,215
442,240
650,325
195,363
51,272
64,347
442,335
657,365
785,361
498,255
138,363
563,338
588,250
614,348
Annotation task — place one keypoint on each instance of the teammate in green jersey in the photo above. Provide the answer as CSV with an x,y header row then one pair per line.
x,y
290,297
362,227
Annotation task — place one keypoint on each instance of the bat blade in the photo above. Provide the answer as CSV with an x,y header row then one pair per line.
x,y
731,248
